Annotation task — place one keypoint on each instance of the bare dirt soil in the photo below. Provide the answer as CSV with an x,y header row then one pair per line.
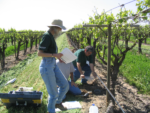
x,y
126,95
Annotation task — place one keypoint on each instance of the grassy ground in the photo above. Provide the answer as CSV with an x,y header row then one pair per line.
x,y
136,68
145,48
132,38
147,40
11,49
28,75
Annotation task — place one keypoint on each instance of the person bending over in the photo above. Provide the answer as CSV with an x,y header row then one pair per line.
x,y
68,69
84,62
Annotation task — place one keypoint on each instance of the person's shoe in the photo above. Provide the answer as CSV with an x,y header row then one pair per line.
x,y
60,106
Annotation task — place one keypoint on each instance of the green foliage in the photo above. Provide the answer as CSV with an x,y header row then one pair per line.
x,y
11,49
142,4
147,3
136,69
110,18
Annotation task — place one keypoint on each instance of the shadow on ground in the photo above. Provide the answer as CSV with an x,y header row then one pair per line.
x,y
28,109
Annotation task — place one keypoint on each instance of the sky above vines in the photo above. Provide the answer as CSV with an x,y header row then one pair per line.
x,y
37,14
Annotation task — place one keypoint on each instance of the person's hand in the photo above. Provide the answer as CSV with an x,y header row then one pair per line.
x,y
61,61
82,76
59,55
94,74
73,84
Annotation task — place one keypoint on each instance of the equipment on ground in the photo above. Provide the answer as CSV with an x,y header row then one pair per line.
x,y
21,98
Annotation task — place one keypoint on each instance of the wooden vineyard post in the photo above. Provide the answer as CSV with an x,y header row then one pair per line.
x,y
108,63
15,44
108,58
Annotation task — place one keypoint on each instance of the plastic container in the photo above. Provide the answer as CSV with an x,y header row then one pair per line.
x,y
93,109
11,81
90,79
25,88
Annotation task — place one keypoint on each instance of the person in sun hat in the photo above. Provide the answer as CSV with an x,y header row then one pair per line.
x,y
49,71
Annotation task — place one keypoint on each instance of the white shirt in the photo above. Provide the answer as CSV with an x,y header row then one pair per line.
x,y
66,69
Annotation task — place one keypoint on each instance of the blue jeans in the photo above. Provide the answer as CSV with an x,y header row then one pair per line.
x,y
72,89
52,77
76,74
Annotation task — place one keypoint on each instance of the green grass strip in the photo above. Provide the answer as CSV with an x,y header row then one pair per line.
x,y
136,68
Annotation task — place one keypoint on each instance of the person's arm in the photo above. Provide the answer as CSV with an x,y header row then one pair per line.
x,y
42,54
80,70
71,76
72,82
61,61
92,69
92,65
44,45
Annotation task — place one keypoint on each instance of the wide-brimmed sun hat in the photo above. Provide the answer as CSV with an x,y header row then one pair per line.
x,y
58,23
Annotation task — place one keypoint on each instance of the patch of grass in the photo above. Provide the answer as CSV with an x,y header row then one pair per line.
x,y
62,42
29,54
145,48
136,69
15,71
147,40
9,44
133,38
28,75
11,49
